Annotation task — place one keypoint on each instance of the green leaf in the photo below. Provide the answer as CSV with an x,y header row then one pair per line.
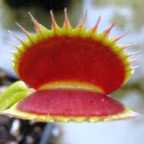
x,y
13,94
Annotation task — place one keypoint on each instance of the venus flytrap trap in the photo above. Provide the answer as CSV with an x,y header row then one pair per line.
x,y
72,71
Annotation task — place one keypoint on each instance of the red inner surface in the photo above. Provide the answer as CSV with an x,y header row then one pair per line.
x,y
72,58
61,102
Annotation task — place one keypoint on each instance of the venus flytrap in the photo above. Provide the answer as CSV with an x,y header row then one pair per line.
x,y
72,71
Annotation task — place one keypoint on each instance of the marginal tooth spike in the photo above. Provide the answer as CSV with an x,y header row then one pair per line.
x,y
126,46
67,23
135,53
117,38
13,59
131,56
13,52
35,22
94,29
11,44
82,20
108,29
23,29
135,67
132,60
53,21
27,33
17,38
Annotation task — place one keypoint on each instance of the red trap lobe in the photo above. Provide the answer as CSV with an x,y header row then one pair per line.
x,y
60,102
62,58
